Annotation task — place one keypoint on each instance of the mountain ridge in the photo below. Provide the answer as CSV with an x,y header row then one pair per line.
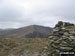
x,y
28,31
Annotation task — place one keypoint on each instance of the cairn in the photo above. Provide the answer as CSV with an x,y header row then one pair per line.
x,y
62,39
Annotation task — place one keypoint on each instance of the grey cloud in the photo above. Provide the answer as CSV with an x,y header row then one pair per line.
x,y
46,13
10,12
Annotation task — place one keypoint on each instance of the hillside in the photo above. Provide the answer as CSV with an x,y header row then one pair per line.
x,y
29,31
20,46
25,41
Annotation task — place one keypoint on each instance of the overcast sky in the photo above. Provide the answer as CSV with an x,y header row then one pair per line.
x,y
19,13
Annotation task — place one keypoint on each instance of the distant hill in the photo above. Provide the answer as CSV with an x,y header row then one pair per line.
x,y
8,29
0,29
28,31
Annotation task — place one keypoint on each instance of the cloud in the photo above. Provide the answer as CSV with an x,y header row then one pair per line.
x,y
19,13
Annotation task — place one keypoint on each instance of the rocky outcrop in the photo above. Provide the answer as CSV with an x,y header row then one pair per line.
x,y
62,39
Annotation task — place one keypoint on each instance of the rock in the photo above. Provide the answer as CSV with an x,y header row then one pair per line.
x,y
61,33
62,39
60,23
66,48
66,33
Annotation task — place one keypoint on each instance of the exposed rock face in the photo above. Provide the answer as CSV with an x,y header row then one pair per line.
x,y
62,39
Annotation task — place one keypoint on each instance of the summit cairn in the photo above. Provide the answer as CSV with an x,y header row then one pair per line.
x,y
62,39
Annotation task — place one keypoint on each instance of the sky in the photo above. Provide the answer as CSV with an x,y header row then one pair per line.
x,y
20,13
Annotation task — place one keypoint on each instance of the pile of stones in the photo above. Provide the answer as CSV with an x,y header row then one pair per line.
x,y
62,39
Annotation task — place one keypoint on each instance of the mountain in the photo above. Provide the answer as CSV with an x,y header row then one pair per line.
x,y
28,31
8,29
24,41
0,29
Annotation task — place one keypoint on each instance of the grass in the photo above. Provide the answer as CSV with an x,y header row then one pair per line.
x,y
18,45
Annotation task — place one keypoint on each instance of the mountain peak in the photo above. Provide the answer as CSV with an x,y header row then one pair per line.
x,y
29,31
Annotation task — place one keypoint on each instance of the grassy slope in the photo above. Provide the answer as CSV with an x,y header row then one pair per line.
x,y
20,45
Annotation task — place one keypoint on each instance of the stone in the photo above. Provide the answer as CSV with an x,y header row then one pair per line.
x,y
61,33
66,33
72,37
66,48
62,39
